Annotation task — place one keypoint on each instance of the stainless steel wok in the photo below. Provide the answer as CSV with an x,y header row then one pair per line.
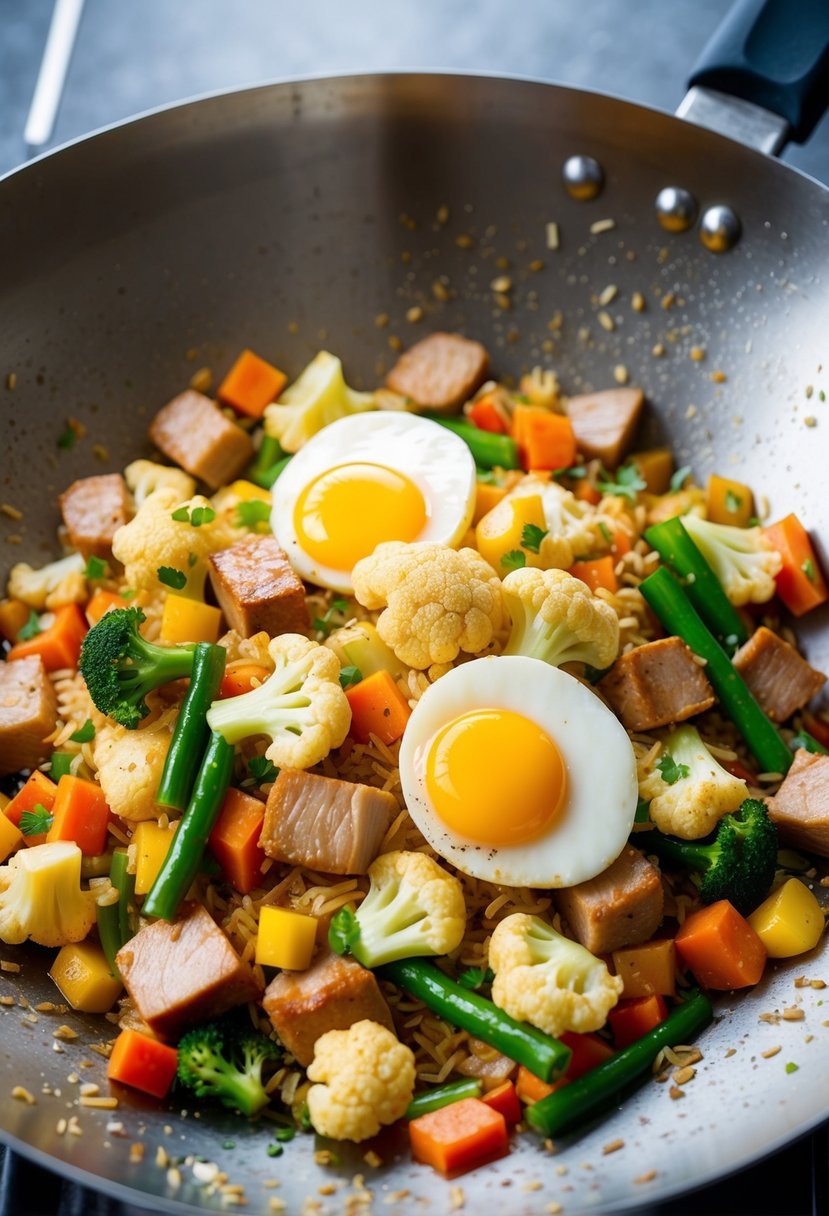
x,y
290,217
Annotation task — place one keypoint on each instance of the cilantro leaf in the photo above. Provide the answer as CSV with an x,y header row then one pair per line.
x,y
95,569
733,502
350,675
474,978
35,822
531,537
171,577
627,484
191,560
195,517
808,568
670,770
576,471
605,531
486,477
84,734
514,560
68,438
643,811
254,511
181,515
679,478
31,629
790,1067
261,772
324,624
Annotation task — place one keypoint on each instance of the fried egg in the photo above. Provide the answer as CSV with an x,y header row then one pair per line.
x,y
517,773
367,479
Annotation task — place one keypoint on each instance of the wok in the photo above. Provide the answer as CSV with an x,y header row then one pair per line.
x,y
289,217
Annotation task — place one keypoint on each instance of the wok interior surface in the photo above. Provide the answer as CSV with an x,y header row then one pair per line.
x,y
289,218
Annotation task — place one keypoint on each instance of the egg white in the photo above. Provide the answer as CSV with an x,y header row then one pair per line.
x,y
600,804
436,460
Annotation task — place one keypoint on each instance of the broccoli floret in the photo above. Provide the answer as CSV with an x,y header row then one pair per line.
x,y
736,863
219,1061
120,667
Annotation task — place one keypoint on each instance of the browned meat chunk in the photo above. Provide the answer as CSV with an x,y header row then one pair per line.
x,y
781,680
656,684
93,510
621,907
332,994
440,372
183,972
257,588
604,423
800,808
193,432
28,713
327,824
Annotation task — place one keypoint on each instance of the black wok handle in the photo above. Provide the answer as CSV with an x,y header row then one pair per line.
x,y
774,53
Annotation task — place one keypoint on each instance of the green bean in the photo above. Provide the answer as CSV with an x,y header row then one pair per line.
x,y
114,928
184,857
671,604
191,732
443,1095
489,450
269,463
544,1056
560,1111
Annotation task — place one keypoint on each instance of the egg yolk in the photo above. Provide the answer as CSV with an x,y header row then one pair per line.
x,y
495,777
346,512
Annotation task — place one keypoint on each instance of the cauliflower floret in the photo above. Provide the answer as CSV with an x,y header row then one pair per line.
x,y
548,980
61,582
689,792
144,477
572,526
740,558
541,387
153,539
438,601
41,897
317,398
413,908
301,707
367,1080
556,618
249,650
130,764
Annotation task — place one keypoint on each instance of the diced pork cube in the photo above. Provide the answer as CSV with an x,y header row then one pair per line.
x,y
440,372
621,907
183,972
324,823
656,684
28,713
257,588
604,423
780,678
93,510
800,808
332,994
193,432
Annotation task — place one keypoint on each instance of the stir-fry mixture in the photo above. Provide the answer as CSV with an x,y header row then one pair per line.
x,y
424,754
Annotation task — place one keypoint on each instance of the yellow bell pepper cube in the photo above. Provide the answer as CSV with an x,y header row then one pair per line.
x,y
654,466
185,620
361,646
728,501
790,921
487,498
648,970
501,530
11,837
82,974
286,939
151,844
4,801
246,490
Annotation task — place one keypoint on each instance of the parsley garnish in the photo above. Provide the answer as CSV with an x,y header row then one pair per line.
x,y
254,511
605,531
85,733
486,477
262,771
670,770
576,471
68,438
790,1068
195,517
514,560
350,675
324,624
31,629
191,560
733,502
531,537
808,568
284,1134
95,569
643,811
35,822
475,977
170,577
679,478
628,483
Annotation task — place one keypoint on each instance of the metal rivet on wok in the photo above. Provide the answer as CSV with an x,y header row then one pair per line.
x,y
719,228
676,209
583,177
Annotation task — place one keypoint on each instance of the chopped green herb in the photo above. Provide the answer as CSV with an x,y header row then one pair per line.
x,y
171,577
754,521
822,395
576,471
628,483
486,477
324,624
305,1124
85,734
733,501
195,517
284,1134
514,560
191,560
228,1144
127,593
31,629
594,674
531,537
95,569
605,531
252,512
790,1068
350,675
36,822
679,478
68,438
474,978
181,515
670,770
61,765
275,1150
643,811
808,568
261,771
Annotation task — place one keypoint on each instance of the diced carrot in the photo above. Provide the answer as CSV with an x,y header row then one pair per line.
x,y
620,544
585,491
378,707
531,1088
600,572
38,789
251,384
459,1136
142,1063
728,501
487,417
234,840
545,440
588,1051
800,583
101,601
720,947
817,728
631,1020
59,645
486,497
13,616
504,1099
241,679
80,813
